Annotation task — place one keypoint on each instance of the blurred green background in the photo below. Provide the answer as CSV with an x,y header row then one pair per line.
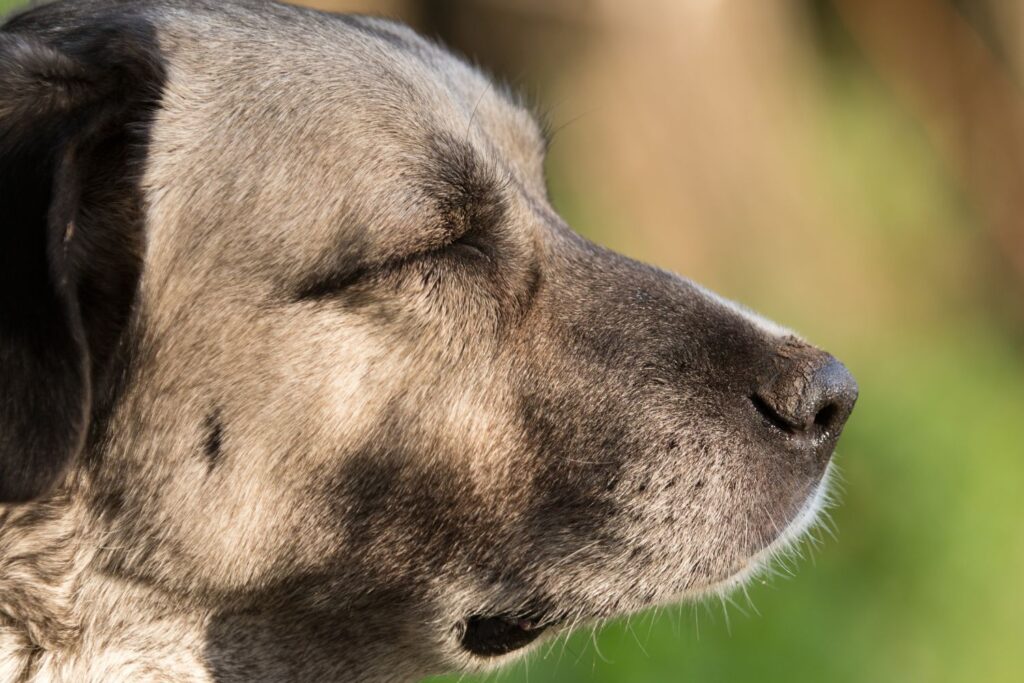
x,y
855,170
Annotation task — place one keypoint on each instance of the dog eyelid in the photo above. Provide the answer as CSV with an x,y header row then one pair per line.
x,y
471,243
328,286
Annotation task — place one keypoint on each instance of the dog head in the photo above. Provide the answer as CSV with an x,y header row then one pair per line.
x,y
285,303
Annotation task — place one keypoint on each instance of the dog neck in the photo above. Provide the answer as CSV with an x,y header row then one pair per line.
x,y
40,556
62,621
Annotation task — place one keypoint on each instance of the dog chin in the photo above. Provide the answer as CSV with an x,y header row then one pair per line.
x,y
806,519
489,642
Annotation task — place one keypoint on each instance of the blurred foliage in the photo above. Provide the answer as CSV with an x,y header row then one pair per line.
x,y
924,580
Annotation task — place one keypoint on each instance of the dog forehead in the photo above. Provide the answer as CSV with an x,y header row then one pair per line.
x,y
288,132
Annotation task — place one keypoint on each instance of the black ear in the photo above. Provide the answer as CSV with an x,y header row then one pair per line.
x,y
73,108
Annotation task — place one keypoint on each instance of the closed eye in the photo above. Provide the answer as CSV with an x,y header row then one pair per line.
x,y
471,244
470,247
325,287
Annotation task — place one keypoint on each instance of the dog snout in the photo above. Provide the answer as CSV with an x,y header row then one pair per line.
x,y
809,397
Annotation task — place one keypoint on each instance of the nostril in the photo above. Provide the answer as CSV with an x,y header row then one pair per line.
x,y
832,393
826,416
770,414
810,397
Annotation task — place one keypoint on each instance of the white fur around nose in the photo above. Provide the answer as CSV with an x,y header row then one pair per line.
x,y
767,326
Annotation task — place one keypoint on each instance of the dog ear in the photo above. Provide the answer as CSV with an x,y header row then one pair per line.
x,y
68,118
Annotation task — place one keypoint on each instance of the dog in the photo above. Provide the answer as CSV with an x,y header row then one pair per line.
x,y
305,380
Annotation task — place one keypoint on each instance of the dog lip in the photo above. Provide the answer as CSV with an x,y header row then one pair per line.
x,y
493,636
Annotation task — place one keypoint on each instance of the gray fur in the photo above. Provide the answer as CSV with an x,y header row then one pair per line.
x,y
370,386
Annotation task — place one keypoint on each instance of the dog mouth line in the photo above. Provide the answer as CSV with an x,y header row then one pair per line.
x,y
496,635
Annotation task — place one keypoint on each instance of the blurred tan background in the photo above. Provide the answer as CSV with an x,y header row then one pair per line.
x,y
855,170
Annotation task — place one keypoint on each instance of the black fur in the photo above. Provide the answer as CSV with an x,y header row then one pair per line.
x,y
73,114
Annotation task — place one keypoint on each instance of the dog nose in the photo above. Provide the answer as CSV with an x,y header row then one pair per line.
x,y
810,397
